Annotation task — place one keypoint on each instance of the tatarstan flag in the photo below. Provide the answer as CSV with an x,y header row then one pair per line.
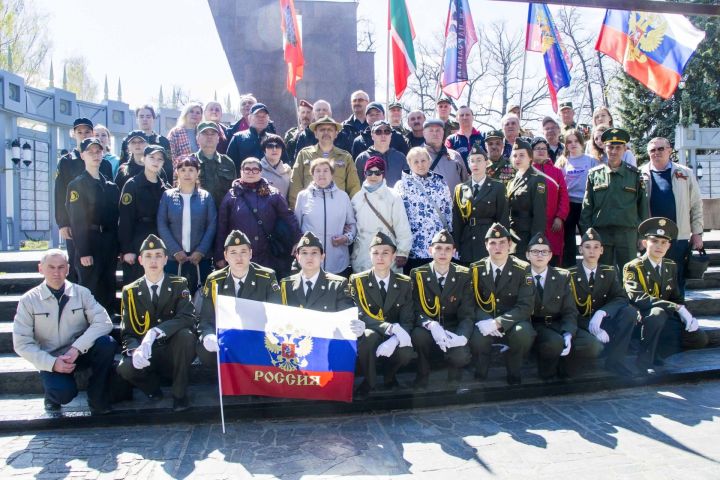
x,y
403,51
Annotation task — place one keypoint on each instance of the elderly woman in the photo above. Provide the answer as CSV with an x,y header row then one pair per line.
x,y
103,134
527,197
257,209
427,202
275,171
379,208
213,113
183,136
477,204
597,150
325,210
187,221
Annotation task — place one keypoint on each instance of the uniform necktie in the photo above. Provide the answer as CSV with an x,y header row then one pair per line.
x,y
497,276
154,297
383,292
591,280
309,290
240,289
539,286
476,190
441,282
657,270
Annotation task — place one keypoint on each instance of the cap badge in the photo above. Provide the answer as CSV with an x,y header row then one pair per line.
x,y
660,231
590,236
497,234
237,241
540,240
151,244
306,241
662,222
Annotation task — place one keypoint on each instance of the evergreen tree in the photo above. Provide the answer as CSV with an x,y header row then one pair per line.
x,y
646,115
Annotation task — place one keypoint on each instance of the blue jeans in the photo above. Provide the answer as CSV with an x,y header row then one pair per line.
x,y
189,271
61,387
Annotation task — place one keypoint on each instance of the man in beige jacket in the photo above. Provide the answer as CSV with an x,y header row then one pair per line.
x,y
674,193
60,328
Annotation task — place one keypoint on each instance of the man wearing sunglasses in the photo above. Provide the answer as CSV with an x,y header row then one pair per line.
x,y
381,133
674,193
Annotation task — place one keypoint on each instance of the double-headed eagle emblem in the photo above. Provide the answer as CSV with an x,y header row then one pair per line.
x,y
288,349
646,32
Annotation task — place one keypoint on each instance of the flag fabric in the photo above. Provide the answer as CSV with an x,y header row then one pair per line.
x,y
292,45
542,36
280,351
653,48
403,51
460,37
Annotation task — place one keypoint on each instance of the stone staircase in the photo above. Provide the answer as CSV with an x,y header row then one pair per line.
x,y
21,403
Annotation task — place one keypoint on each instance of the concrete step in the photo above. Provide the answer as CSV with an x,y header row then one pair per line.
x,y
20,282
6,343
703,303
16,262
711,279
25,412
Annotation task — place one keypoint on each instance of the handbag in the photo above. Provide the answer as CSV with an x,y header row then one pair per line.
x,y
278,239
696,265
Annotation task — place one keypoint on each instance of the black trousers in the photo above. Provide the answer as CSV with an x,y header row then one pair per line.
x,y
72,267
455,358
519,338
170,358
663,334
572,222
367,360
99,278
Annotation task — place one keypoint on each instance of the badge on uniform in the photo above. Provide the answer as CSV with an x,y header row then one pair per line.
x,y
126,199
275,287
74,196
529,280
541,188
629,276
185,293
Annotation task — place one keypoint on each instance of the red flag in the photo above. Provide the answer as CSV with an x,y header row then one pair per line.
x,y
292,44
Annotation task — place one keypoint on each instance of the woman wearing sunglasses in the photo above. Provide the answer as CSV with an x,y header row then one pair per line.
x,y
274,170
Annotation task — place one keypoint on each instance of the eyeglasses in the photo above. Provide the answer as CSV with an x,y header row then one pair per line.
x,y
251,170
374,173
540,149
383,132
272,145
540,253
657,149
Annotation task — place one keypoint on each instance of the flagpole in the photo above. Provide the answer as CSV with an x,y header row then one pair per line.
x,y
220,395
442,64
522,82
387,64
297,116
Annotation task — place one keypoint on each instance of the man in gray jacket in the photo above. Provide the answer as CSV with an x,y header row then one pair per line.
x,y
60,328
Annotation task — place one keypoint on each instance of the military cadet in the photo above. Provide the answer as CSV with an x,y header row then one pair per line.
x,y
651,283
603,306
444,310
477,204
499,167
615,201
384,300
527,197
70,166
241,278
156,328
145,121
504,290
139,204
137,142
304,118
92,205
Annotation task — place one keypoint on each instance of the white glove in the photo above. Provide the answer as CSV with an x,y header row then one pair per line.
x,y
402,336
147,343
455,340
210,342
386,348
357,327
438,333
691,323
568,344
138,359
488,327
603,336
595,322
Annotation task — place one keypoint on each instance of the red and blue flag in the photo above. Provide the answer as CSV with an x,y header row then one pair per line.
x,y
653,48
280,351
460,37
542,36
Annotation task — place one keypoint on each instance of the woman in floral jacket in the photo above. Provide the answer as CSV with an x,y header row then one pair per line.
x,y
427,202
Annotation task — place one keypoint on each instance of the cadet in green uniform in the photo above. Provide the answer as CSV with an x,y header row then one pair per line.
x,y
384,300
527,197
505,292
241,278
499,167
156,328
444,310
604,310
652,285
477,204
615,201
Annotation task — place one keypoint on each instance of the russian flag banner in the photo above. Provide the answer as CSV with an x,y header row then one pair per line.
x,y
288,352
653,48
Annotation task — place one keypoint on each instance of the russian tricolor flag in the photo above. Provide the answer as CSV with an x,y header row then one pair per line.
x,y
280,351
653,48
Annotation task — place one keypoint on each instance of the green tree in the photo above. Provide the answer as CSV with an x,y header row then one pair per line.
x,y
79,80
646,115
23,40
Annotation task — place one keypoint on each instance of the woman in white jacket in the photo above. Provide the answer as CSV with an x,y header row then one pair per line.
x,y
379,208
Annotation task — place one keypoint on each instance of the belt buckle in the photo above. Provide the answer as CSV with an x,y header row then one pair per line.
x,y
472,222
548,321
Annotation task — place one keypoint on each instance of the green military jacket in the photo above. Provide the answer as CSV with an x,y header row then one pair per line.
x,y
473,216
403,131
290,140
216,176
260,284
329,294
378,315
345,177
607,294
501,170
175,310
614,199
512,300
527,200
556,307
452,306
647,289
451,126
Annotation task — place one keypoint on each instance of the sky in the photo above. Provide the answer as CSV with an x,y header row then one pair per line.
x,y
184,47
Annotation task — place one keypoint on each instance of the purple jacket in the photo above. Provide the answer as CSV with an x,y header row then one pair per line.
x,y
234,214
